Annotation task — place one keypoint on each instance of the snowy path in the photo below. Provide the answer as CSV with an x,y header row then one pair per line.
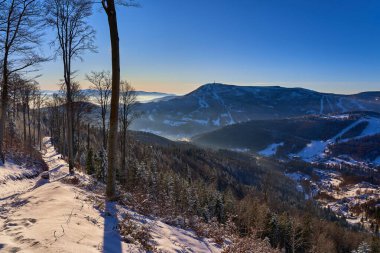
x,y
53,217
15,179
57,217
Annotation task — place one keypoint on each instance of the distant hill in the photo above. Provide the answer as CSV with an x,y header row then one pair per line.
x,y
151,139
213,106
307,137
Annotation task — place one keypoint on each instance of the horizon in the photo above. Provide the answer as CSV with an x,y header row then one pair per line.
x,y
256,85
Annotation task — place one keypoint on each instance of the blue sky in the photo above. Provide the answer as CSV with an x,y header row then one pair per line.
x,y
178,45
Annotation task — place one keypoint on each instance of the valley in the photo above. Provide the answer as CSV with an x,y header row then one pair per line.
x,y
328,143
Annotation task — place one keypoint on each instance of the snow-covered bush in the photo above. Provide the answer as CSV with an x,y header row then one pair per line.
x,y
363,248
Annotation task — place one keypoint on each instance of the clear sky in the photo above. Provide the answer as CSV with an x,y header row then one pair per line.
x,y
177,45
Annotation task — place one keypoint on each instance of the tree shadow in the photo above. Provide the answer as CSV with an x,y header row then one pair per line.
x,y
57,168
111,235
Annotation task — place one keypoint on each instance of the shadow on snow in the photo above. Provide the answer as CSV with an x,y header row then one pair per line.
x,y
111,236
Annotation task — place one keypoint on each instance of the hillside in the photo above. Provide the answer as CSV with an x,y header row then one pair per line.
x,y
212,106
303,136
59,215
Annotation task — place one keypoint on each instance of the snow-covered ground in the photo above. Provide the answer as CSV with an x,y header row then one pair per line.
x,y
377,161
53,216
271,149
315,150
15,179
342,199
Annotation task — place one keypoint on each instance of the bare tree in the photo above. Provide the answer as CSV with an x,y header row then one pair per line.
x,y
127,115
20,36
101,82
41,99
73,37
26,90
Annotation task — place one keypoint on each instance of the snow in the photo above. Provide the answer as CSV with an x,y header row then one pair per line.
x,y
15,179
240,150
340,105
358,105
202,103
271,149
203,122
315,149
174,123
52,216
340,116
328,178
322,106
372,128
216,122
330,104
228,113
377,161
172,240
297,176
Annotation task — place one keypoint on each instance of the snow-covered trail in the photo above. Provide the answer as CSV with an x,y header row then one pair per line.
x,y
52,216
15,180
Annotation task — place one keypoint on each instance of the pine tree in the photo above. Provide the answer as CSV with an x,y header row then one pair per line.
x,y
219,207
169,198
272,229
90,169
153,187
101,165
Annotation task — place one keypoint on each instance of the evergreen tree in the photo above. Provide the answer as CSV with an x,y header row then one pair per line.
x,y
219,207
101,165
272,229
90,169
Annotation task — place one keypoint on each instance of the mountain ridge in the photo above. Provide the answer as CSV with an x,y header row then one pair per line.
x,y
215,105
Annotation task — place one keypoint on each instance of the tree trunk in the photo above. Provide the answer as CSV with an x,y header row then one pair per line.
x,y
88,136
4,108
70,131
39,125
104,129
29,130
114,113
24,120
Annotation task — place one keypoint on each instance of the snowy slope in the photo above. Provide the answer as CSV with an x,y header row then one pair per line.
x,y
15,179
271,149
316,148
52,216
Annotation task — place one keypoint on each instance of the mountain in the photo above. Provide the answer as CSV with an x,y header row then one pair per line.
x,y
310,138
216,105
